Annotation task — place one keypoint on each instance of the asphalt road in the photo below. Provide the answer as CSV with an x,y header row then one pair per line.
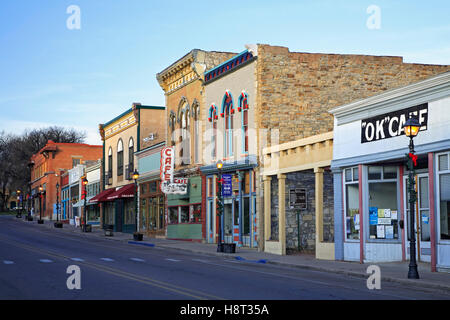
x,y
34,262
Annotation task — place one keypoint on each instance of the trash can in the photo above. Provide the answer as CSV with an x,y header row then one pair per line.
x,y
229,247
109,228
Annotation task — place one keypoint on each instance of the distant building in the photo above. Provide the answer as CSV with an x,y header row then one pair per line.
x,y
48,164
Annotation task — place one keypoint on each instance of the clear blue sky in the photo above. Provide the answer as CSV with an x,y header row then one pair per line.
x,y
50,75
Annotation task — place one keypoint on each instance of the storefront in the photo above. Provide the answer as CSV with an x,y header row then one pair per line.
x,y
121,209
184,212
152,202
371,177
238,222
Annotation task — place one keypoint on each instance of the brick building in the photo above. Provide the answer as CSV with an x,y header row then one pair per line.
x,y
49,163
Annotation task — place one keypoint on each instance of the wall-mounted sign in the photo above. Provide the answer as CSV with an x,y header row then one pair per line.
x,y
227,185
297,198
169,184
391,124
152,136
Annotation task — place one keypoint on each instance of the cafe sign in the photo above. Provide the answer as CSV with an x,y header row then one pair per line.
x,y
169,184
390,125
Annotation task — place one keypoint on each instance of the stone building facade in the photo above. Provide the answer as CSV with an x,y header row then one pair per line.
x,y
296,90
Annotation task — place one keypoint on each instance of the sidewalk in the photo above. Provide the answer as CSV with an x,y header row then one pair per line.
x,y
392,271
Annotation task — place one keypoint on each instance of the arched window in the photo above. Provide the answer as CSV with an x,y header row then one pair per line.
x,y
131,155
243,107
227,113
172,121
110,162
120,158
213,118
184,134
196,117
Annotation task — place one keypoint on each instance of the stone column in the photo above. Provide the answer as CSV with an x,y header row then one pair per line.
x,y
282,212
267,205
319,204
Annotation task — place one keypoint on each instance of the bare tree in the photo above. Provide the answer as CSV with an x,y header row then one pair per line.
x,y
16,152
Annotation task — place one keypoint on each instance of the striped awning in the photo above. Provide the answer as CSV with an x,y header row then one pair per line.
x,y
127,191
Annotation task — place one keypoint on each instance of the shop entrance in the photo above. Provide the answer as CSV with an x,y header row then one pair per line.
x,y
231,221
422,218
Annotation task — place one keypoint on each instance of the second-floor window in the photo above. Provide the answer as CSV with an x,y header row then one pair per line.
x,y
110,162
243,107
131,155
120,158
227,112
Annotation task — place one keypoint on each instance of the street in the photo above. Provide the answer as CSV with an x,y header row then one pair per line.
x,y
34,262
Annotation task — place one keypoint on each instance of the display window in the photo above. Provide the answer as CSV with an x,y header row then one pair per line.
x,y
352,217
185,214
383,202
443,184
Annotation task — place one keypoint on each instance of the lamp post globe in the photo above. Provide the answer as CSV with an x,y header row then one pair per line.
x,y
412,128
41,193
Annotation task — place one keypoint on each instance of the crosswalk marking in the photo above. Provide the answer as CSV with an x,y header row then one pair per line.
x,y
137,259
174,260
8,262
107,259
45,261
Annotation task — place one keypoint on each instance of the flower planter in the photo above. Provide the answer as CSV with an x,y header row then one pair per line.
x,y
138,236
109,230
229,247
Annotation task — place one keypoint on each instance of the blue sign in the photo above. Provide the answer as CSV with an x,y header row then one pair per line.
x,y
227,187
373,215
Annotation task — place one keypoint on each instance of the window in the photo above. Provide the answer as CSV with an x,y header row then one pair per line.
x,y
213,119
196,116
131,156
75,162
228,111
444,195
110,162
172,121
184,214
383,211
210,187
129,209
243,106
352,217
173,215
120,158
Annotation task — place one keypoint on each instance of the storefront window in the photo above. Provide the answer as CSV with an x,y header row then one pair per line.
x,y
352,203
184,214
246,216
144,214
173,215
383,211
444,195
129,209
197,213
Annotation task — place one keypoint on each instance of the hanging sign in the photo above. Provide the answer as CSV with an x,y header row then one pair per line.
x,y
297,198
169,184
390,125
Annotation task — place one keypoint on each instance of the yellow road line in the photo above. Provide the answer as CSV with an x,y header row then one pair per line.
x,y
142,279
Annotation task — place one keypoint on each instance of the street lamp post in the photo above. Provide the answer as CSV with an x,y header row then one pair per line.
x,y
19,211
41,192
135,178
58,224
412,127
219,206
84,224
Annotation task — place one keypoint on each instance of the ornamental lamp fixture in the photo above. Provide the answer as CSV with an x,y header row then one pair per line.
x,y
412,127
135,175
219,165
84,181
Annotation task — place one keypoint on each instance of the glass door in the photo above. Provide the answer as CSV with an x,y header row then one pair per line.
x,y
210,221
421,217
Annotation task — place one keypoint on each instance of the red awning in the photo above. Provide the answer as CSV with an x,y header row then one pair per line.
x,y
101,197
124,192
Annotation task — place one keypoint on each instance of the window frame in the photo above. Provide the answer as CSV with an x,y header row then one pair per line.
x,y
353,181
437,197
120,164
